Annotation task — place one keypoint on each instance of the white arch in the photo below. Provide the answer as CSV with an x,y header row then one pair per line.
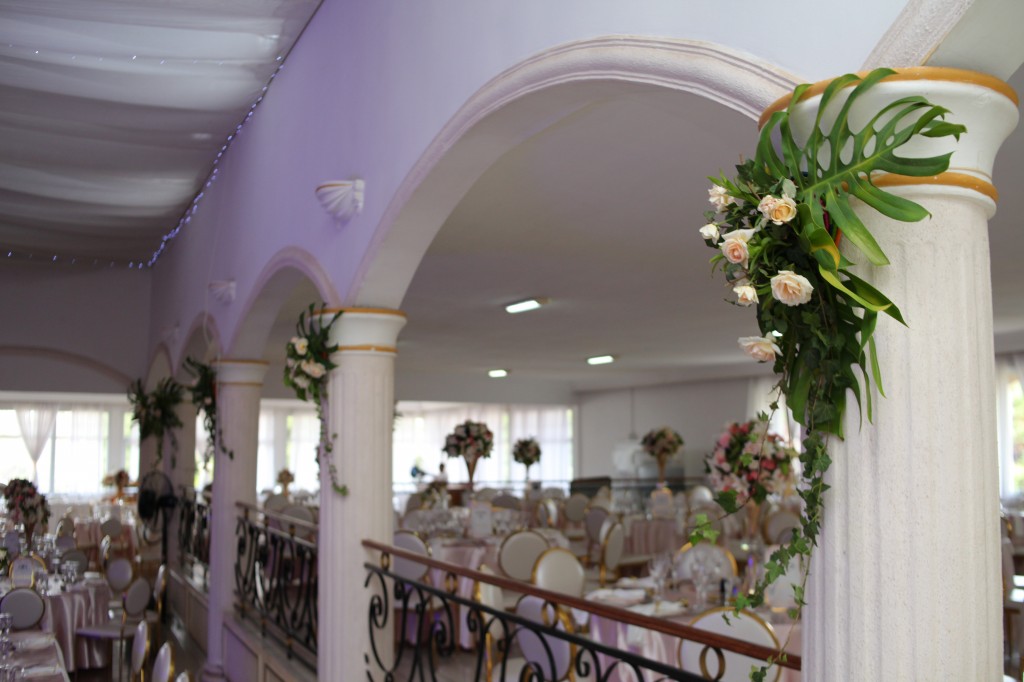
x,y
528,98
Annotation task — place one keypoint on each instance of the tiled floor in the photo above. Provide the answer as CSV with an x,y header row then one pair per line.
x,y
186,655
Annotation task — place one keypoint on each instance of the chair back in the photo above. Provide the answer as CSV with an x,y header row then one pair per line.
x,y
719,559
66,527
300,513
492,597
779,526
78,556
183,677
25,605
553,494
611,549
745,626
506,501
416,520
140,647
576,507
162,667
160,584
593,521
64,542
413,502
23,571
549,655
276,503
12,541
518,553
698,495
112,527
136,598
119,574
558,570
485,494
547,513
407,568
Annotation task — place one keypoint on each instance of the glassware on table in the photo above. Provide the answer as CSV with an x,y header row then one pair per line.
x,y
6,623
11,673
659,568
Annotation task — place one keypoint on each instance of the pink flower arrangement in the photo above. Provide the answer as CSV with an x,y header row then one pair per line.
x,y
750,461
24,503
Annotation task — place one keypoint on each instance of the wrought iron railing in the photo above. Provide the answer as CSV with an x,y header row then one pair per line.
x,y
276,578
418,620
194,535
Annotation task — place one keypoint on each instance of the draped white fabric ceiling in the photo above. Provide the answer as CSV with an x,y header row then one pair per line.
x,y
113,111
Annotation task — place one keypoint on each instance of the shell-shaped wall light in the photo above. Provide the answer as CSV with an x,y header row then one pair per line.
x,y
223,290
342,199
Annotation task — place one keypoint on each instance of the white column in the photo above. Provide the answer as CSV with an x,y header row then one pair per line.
x,y
905,581
361,395
239,384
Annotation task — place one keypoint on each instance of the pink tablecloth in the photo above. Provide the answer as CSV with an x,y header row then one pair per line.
x,y
651,536
665,649
88,536
84,604
40,656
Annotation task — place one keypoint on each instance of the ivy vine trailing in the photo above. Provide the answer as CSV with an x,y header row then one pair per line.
x,y
204,397
307,367
155,413
777,226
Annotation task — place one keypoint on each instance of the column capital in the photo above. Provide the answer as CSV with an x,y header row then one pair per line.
x,y
365,330
984,104
245,372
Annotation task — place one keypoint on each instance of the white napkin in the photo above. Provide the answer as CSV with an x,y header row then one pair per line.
x,y
646,583
618,596
41,671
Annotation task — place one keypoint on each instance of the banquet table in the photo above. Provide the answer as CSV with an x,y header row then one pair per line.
x,y
652,536
663,648
39,655
88,536
81,605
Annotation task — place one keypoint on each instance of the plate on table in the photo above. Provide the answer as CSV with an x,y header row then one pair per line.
x,y
633,583
618,597
664,609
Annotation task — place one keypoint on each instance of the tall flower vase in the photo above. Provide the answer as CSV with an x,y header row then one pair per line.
x,y
662,461
471,468
30,529
753,531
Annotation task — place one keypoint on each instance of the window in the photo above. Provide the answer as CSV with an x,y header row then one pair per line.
x,y
1010,419
288,437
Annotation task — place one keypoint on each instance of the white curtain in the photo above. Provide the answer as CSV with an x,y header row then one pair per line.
x,y
81,452
1006,367
36,423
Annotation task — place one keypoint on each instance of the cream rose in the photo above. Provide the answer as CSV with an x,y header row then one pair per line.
x,y
745,294
710,232
719,196
734,248
761,348
782,211
300,345
790,288
766,205
313,369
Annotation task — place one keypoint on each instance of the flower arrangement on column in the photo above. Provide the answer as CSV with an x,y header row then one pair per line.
x,y
662,444
285,478
204,396
26,505
307,367
155,413
120,480
470,440
526,451
776,227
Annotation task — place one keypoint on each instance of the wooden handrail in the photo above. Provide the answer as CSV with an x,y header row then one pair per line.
x,y
603,610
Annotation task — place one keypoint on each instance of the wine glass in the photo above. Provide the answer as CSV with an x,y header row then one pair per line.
x,y
658,569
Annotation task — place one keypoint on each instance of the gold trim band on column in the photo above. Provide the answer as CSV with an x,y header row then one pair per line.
x,y
372,311
916,73
948,179
368,347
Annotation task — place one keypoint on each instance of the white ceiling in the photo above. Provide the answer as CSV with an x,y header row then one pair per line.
x,y
600,213
112,113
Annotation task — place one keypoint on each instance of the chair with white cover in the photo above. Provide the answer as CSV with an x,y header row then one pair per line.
x,y
558,570
12,541
64,543
410,570
552,494
593,522
65,528
547,514
119,574
698,495
155,616
113,528
25,605
163,667
574,511
304,514
183,677
719,558
77,556
548,657
746,626
140,650
276,503
779,526
506,501
485,494
23,570
133,606
492,597
612,547
519,552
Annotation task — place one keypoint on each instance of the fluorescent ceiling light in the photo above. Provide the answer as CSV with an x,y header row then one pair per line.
x,y
601,360
523,306
497,373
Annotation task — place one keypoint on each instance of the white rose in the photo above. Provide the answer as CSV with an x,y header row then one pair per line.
x,y
745,294
300,345
719,196
301,381
734,248
313,369
761,348
790,288
766,205
783,211
710,232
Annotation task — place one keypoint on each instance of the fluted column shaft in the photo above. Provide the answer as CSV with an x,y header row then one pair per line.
x,y
905,581
239,384
361,413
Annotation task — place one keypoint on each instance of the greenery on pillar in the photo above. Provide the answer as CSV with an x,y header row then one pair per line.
x,y
204,396
777,227
156,415
307,369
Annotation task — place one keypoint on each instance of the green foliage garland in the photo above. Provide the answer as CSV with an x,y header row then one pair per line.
x,y
307,368
155,413
777,226
204,397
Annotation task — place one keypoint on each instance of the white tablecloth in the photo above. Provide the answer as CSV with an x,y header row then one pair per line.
x,y
84,604
39,654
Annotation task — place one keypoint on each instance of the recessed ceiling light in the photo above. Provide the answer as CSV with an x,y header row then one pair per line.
x,y
601,360
523,306
497,373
